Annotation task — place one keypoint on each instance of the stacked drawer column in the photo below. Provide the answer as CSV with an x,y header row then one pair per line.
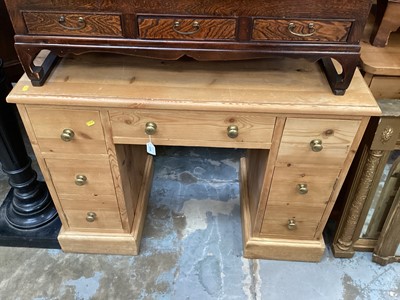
x,y
301,191
82,171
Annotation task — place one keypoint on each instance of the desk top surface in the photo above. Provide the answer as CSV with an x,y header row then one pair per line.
x,y
278,85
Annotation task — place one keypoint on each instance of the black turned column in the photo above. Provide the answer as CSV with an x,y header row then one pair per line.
x,y
28,217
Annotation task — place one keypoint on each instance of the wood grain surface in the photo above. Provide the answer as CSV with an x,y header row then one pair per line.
x,y
294,8
325,31
207,29
279,106
94,24
97,195
97,171
192,128
336,136
319,183
49,123
275,223
275,86
381,60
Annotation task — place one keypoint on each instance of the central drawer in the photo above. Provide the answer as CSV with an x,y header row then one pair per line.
x,y
190,128
187,28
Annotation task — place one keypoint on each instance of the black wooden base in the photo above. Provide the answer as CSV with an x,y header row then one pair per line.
x,y
43,237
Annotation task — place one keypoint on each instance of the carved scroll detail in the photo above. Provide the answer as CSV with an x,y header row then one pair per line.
x,y
387,134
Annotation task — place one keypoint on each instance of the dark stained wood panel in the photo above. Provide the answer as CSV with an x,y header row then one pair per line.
x,y
206,30
187,28
92,24
324,31
303,8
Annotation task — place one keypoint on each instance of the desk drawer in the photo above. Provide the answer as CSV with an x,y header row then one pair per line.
x,y
300,30
300,196
98,182
385,87
92,212
189,128
86,191
82,24
316,141
187,28
296,222
302,186
82,130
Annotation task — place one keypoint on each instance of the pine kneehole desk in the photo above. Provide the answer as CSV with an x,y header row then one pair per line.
x,y
87,127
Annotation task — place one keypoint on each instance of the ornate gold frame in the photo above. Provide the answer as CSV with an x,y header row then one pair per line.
x,y
366,171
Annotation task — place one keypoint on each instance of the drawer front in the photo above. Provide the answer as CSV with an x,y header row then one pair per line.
x,y
64,172
299,195
187,28
316,141
88,203
82,24
103,220
52,128
293,186
385,87
188,128
294,222
300,30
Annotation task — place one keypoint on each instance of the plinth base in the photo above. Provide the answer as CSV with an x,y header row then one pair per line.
x,y
43,237
339,253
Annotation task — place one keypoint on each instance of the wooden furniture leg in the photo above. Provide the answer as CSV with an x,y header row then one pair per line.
x,y
339,82
387,20
37,74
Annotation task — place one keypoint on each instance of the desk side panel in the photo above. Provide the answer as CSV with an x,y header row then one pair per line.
x,y
41,162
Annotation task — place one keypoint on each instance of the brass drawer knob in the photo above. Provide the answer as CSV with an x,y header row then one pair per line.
x,y
291,224
316,145
80,180
302,188
150,128
67,135
91,216
233,131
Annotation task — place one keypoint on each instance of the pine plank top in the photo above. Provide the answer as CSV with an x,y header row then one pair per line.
x,y
279,85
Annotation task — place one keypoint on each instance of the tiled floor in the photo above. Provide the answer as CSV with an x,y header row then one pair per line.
x,y
191,249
